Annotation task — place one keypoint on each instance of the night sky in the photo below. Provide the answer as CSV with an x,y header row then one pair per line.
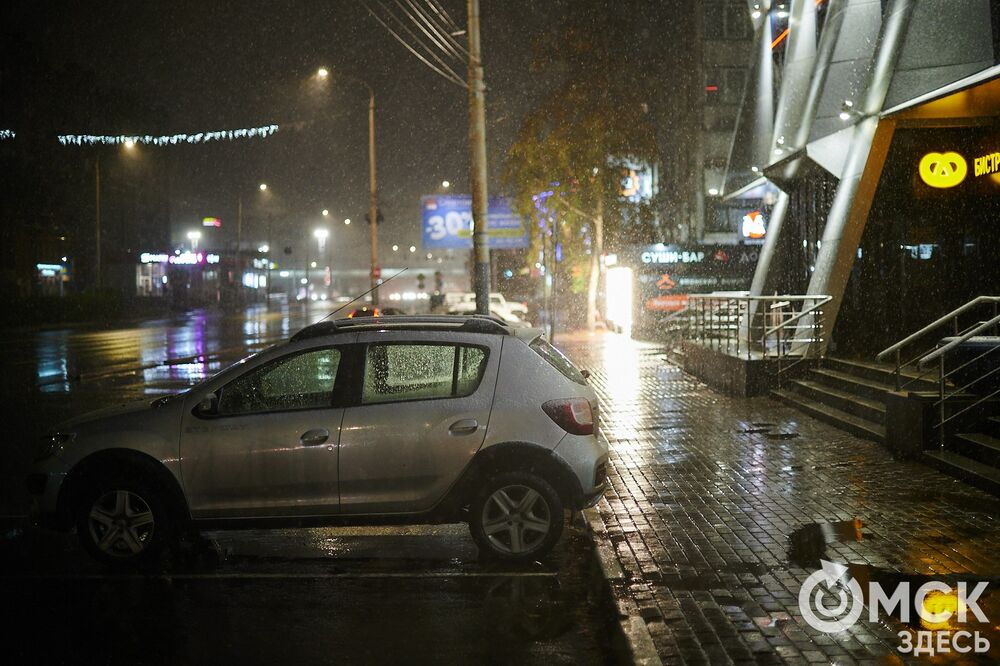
x,y
215,66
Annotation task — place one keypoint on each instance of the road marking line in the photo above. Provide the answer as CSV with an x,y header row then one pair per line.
x,y
293,576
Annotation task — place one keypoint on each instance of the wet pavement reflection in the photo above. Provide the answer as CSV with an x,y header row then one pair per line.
x,y
301,596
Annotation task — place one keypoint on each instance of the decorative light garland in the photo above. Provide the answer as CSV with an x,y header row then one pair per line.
x,y
7,134
172,139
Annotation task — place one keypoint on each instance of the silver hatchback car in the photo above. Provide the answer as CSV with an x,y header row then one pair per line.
x,y
397,420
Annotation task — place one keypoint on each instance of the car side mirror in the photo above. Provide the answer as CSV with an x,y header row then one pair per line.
x,y
208,406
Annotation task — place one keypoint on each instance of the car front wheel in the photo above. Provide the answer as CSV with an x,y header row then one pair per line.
x,y
123,522
518,516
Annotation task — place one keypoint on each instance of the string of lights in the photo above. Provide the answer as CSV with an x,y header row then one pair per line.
x,y
170,139
7,134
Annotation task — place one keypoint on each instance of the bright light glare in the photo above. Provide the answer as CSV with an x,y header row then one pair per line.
x,y
194,235
445,184
326,212
395,248
413,248
130,144
619,298
322,72
263,186
263,248
347,221
321,234
713,191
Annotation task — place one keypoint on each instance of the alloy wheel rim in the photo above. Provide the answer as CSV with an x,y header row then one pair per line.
x,y
516,519
121,523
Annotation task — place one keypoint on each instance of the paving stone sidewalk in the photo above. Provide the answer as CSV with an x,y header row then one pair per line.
x,y
720,508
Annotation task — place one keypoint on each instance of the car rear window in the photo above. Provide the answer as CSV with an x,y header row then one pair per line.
x,y
557,360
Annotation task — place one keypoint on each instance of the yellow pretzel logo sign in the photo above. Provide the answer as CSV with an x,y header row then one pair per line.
x,y
943,169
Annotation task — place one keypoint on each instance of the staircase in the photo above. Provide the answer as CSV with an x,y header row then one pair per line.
x,y
973,457
848,394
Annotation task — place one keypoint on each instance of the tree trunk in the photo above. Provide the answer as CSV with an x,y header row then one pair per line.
x,y
596,250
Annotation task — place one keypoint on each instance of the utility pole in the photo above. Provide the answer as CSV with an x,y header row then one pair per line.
x,y
477,147
373,199
237,272
97,217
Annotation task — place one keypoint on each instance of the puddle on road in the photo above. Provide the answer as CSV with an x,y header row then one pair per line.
x,y
808,545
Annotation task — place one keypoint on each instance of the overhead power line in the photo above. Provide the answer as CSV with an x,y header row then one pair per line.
x,y
442,68
443,33
442,13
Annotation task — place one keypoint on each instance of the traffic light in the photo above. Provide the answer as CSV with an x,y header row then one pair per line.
x,y
420,282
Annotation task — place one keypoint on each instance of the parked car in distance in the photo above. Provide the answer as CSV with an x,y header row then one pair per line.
x,y
497,302
404,419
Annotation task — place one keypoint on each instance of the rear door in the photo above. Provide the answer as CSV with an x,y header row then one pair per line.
x,y
423,409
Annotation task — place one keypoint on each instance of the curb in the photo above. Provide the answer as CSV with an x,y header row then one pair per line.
x,y
632,629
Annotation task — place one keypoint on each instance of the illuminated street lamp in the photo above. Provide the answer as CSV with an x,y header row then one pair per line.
x,y
347,221
326,213
263,187
323,73
321,236
194,237
445,184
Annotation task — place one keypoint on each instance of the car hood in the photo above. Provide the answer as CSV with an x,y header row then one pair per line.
x,y
119,410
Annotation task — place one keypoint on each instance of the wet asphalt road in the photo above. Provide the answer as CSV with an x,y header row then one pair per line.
x,y
326,595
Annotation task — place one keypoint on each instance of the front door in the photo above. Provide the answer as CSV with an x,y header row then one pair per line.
x,y
424,407
269,448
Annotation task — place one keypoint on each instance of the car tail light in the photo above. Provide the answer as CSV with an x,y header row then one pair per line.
x,y
574,415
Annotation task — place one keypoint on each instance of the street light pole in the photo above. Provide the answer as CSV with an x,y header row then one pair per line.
x,y
373,197
477,146
97,217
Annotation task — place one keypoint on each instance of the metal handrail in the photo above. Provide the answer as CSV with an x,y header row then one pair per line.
x,y
783,327
941,351
936,324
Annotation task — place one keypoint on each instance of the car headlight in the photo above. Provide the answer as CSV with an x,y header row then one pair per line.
x,y
52,444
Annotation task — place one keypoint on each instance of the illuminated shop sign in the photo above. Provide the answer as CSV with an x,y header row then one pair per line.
x,y
50,270
183,258
211,222
987,164
753,225
671,257
943,170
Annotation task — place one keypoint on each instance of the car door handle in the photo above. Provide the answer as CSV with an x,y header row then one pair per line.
x,y
464,427
314,437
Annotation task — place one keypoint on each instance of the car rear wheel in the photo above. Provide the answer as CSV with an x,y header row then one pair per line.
x,y
518,516
123,522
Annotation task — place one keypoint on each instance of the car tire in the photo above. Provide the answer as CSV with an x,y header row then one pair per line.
x,y
516,517
124,522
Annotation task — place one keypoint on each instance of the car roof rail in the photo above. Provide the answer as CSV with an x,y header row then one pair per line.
x,y
473,323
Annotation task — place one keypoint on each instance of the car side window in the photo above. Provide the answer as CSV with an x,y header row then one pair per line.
x,y
299,381
396,372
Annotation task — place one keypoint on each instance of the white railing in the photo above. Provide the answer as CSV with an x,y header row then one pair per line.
x,y
786,328
959,381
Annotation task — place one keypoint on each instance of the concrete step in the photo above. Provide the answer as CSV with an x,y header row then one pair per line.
x,y
991,426
971,471
861,386
836,417
866,408
981,448
883,373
